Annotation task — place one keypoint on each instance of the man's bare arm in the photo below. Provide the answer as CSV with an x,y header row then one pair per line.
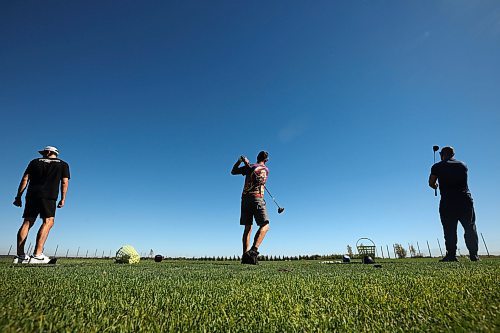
x,y
433,181
236,165
22,186
64,190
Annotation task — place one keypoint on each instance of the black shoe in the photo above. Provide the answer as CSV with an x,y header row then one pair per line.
x,y
254,254
250,257
448,258
247,259
474,257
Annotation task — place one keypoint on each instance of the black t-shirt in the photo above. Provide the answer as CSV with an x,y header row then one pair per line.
x,y
45,175
452,178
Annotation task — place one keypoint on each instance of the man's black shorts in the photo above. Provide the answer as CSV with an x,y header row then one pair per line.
x,y
251,208
34,206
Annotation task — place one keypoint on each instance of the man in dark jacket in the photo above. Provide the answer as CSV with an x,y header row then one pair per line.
x,y
456,203
43,177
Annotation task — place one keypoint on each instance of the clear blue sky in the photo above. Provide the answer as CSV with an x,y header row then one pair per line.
x,y
152,102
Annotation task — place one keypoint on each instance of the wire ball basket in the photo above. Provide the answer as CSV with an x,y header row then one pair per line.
x,y
365,250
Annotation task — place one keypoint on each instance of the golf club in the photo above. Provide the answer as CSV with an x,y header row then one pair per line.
x,y
435,149
280,209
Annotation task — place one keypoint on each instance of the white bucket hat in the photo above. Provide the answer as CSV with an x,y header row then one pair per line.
x,y
49,148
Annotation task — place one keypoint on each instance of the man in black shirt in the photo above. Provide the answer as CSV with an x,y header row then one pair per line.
x,y
43,177
456,203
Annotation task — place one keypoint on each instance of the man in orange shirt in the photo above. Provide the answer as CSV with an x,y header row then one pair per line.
x,y
253,204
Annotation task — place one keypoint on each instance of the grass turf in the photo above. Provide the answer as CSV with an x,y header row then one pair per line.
x,y
297,296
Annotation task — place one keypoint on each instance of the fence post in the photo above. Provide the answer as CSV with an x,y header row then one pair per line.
x,y
419,253
429,248
439,244
77,252
67,252
388,253
55,253
485,245
10,248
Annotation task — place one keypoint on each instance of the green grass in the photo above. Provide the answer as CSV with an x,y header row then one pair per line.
x,y
299,296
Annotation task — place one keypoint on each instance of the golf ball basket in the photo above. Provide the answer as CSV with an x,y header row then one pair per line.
x,y
365,250
127,255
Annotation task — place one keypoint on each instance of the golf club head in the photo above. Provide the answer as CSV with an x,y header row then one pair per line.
x,y
281,210
435,148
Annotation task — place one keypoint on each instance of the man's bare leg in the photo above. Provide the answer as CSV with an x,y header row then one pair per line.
x,y
246,238
259,236
42,235
22,235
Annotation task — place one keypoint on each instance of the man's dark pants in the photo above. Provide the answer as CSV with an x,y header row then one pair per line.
x,y
452,211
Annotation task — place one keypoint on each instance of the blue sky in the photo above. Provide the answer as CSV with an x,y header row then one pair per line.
x,y
152,102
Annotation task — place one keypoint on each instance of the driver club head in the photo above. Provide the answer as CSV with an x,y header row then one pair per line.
x,y
281,210
435,148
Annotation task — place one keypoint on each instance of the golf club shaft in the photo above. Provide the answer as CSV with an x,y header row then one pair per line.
x,y
435,190
271,196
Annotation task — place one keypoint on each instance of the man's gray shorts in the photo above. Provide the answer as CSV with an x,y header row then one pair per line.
x,y
251,208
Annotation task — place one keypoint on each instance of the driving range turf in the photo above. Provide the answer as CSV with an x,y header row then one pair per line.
x,y
96,295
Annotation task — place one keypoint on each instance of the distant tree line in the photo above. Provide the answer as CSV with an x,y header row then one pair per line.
x,y
260,258
398,250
